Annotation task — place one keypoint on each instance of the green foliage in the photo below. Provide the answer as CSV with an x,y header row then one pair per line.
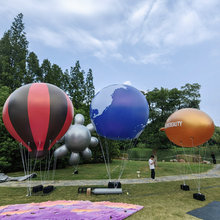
x,y
9,149
13,54
33,73
139,153
77,86
190,95
46,72
6,78
216,137
111,149
65,86
170,153
89,88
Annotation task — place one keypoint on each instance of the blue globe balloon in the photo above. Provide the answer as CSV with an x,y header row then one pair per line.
x,y
119,112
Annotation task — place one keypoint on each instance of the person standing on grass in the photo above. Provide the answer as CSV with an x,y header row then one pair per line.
x,y
152,166
213,158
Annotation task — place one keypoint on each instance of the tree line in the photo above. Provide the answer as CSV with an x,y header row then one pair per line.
x,y
19,66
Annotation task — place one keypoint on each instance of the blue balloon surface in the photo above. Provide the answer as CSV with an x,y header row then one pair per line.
x,y
119,112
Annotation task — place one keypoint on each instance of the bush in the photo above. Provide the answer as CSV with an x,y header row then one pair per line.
x,y
4,164
168,154
139,153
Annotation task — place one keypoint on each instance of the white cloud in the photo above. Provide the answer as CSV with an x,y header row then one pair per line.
x,y
138,32
48,37
127,83
84,7
167,26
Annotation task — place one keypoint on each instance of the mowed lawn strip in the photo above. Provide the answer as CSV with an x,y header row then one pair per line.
x,y
162,200
98,171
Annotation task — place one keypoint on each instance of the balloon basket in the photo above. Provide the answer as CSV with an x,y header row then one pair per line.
x,y
76,172
48,189
114,185
199,196
36,189
41,190
184,187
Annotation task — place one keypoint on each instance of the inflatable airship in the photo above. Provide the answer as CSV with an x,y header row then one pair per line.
x,y
189,127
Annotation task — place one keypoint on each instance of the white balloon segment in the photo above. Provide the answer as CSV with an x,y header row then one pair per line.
x,y
79,119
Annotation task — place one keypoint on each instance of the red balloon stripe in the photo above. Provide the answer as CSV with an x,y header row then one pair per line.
x,y
39,104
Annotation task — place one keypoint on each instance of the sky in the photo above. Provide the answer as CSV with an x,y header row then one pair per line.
x,y
144,43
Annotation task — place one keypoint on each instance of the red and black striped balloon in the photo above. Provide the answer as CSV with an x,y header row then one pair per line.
x,y
37,115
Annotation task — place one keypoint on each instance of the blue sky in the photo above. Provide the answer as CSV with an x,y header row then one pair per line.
x,y
146,43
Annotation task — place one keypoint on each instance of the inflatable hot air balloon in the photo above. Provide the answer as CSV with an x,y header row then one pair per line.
x,y
189,127
119,112
37,115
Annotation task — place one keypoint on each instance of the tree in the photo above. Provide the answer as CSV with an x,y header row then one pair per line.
x,y
216,136
13,54
57,75
6,76
19,45
65,85
33,73
46,71
77,86
89,87
51,74
190,95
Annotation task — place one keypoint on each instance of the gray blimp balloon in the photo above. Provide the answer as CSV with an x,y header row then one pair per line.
x,y
79,119
61,151
93,142
74,158
87,154
77,138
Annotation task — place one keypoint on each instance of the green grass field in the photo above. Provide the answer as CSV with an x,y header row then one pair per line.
x,y
161,200
98,171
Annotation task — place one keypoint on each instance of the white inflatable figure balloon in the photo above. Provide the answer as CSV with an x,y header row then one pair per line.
x,y
79,119
74,158
77,139
61,151
87,153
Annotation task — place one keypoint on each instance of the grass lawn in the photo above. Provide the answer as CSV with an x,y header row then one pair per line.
x,y
98,171
162,200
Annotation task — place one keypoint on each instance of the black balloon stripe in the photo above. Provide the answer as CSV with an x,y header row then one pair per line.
x,y
18,114
57,113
